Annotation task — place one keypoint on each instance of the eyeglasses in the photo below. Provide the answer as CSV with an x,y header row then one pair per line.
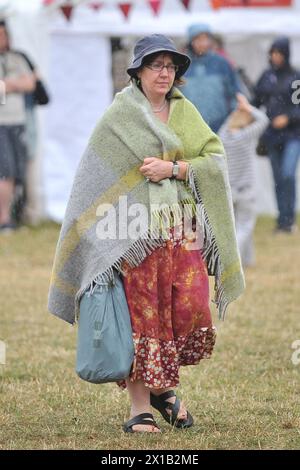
x,y
158,67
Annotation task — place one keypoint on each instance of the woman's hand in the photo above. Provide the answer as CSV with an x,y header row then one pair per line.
x,y
243,104
280,122
156,169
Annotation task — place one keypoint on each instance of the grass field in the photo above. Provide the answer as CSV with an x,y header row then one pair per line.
x,y
247,396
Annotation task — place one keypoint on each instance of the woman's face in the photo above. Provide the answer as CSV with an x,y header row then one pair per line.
x,y
202,43
156,82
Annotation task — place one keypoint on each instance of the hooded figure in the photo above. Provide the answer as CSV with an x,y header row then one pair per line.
x,y
275,90
281,45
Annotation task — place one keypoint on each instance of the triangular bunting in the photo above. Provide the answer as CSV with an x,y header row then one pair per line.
x,y
155,5
186,3
125,8
67,10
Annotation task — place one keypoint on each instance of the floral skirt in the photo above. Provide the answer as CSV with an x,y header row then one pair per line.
x,y
168,301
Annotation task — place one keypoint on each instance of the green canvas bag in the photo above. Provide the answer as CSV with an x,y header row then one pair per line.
x,y
105,347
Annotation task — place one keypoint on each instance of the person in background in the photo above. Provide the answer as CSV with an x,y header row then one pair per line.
x,y
239,135
246,86
274,90
26,204
211,83
17,79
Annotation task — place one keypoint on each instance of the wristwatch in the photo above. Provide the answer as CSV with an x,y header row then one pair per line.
x,y
175,169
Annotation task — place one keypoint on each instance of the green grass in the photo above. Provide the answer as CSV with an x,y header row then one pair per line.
x,y
247,396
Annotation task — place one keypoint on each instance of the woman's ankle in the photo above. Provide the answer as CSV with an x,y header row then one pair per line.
x,y
160,391
135,410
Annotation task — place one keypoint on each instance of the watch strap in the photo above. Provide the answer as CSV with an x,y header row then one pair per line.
x,y
175,169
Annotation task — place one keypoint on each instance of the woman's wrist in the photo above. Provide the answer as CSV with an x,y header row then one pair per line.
x,y
182,170
169,169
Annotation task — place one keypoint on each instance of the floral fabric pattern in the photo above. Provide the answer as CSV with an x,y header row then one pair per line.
x,y
168,300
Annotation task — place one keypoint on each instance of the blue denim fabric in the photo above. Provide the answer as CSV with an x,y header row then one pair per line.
x,y
284,165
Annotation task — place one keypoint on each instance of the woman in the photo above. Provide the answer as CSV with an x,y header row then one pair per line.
x,y
17,79
274,90
153,147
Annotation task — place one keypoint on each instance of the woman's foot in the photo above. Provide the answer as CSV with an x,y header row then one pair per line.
x,y
138,423
135,411
182,414
140,412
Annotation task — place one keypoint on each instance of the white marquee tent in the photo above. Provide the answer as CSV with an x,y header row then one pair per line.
x,y
75,60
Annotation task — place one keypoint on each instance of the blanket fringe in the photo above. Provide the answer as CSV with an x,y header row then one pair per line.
x,y
137,252
210,250
155,238
165,217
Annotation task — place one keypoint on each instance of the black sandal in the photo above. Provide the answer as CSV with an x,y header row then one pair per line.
x,y
160,403
143,418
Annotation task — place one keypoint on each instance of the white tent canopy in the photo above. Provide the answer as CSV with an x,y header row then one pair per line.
x,y
75,61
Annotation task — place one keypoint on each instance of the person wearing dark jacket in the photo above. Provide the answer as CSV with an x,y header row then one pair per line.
x,y
274,90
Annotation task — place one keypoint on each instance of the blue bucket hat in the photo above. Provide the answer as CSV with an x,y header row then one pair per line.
x,y
196,29
157,43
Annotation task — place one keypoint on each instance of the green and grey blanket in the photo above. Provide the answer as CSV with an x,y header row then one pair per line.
x,y
108,189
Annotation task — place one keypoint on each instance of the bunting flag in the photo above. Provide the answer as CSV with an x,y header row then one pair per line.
x,y
67,6
96,5
125,8
155,5
67,10
186,4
